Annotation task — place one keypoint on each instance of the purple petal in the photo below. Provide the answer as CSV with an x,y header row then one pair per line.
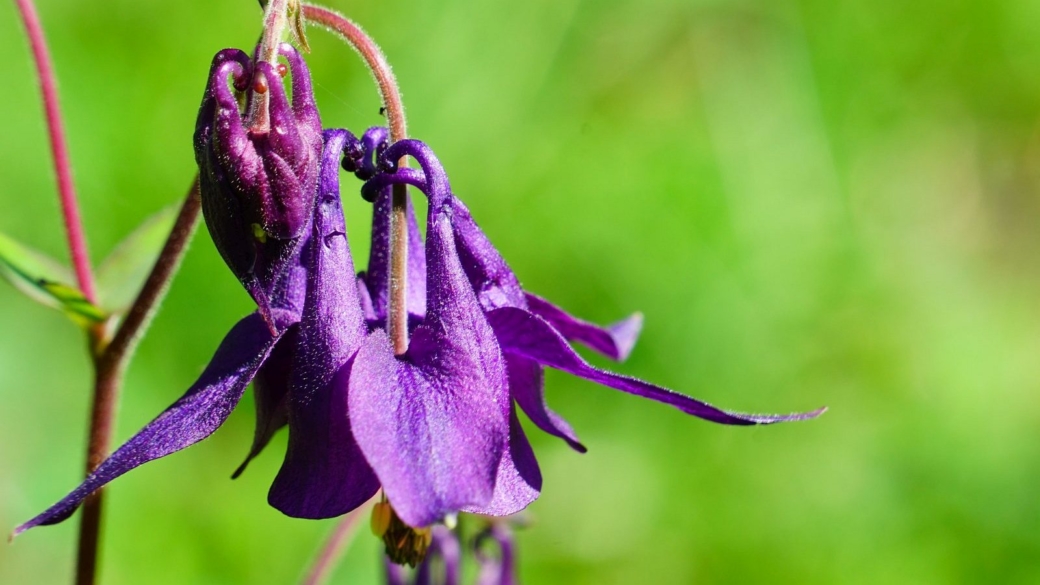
x,y
500,570
519,480
366,300
434,422
395,574
378,274
303,105
444,546
191,419
324,473
614,341
490,276
523,333
271,393
527,387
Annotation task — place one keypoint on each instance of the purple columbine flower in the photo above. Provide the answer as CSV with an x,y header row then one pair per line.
x,y
258,182
530,332
431,427
436,427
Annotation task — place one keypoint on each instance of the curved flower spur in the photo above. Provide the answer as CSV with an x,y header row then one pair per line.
x,y
531,332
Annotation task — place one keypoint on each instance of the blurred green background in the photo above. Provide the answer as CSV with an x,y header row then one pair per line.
x,y
813,203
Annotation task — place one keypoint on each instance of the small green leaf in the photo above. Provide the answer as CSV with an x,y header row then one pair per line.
x,y
22,266
42,279
122,274
75,304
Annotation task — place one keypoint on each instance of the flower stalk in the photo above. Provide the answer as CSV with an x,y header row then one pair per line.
x,y
352,34
341,537
276,20
59,150
110,365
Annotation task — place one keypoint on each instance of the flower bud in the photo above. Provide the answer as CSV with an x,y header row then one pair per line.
x,y
258,180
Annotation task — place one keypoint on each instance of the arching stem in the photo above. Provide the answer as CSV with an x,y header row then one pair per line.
x,y
397,312
276,20
110,365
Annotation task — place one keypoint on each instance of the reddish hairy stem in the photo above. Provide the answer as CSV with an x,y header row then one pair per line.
x,y
59,150
334,547
275,21
155,286
397,312
110,366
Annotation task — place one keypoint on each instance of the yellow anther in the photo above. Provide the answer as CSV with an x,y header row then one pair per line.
x,y
381,514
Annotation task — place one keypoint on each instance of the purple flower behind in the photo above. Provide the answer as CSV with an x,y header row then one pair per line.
x,y
258,184
500,569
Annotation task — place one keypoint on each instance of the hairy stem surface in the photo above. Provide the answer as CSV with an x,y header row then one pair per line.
x,y
59,150
110,365
397,313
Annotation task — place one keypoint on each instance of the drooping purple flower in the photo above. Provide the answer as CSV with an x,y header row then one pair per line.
x,y
530,332
257,183
432,427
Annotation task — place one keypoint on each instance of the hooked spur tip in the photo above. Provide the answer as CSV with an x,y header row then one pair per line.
x,y
238,471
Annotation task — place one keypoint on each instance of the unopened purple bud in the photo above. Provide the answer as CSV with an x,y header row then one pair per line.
x,y
258,183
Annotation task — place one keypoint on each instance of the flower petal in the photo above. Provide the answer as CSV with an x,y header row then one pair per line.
x,y
614,341
271,393
527,387
395,574
366,299
519,481
523,333
434,422
490,276
191,419
378,275
324,473
444,546
500,570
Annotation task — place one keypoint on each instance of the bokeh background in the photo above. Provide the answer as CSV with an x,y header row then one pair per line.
x,y
813,203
